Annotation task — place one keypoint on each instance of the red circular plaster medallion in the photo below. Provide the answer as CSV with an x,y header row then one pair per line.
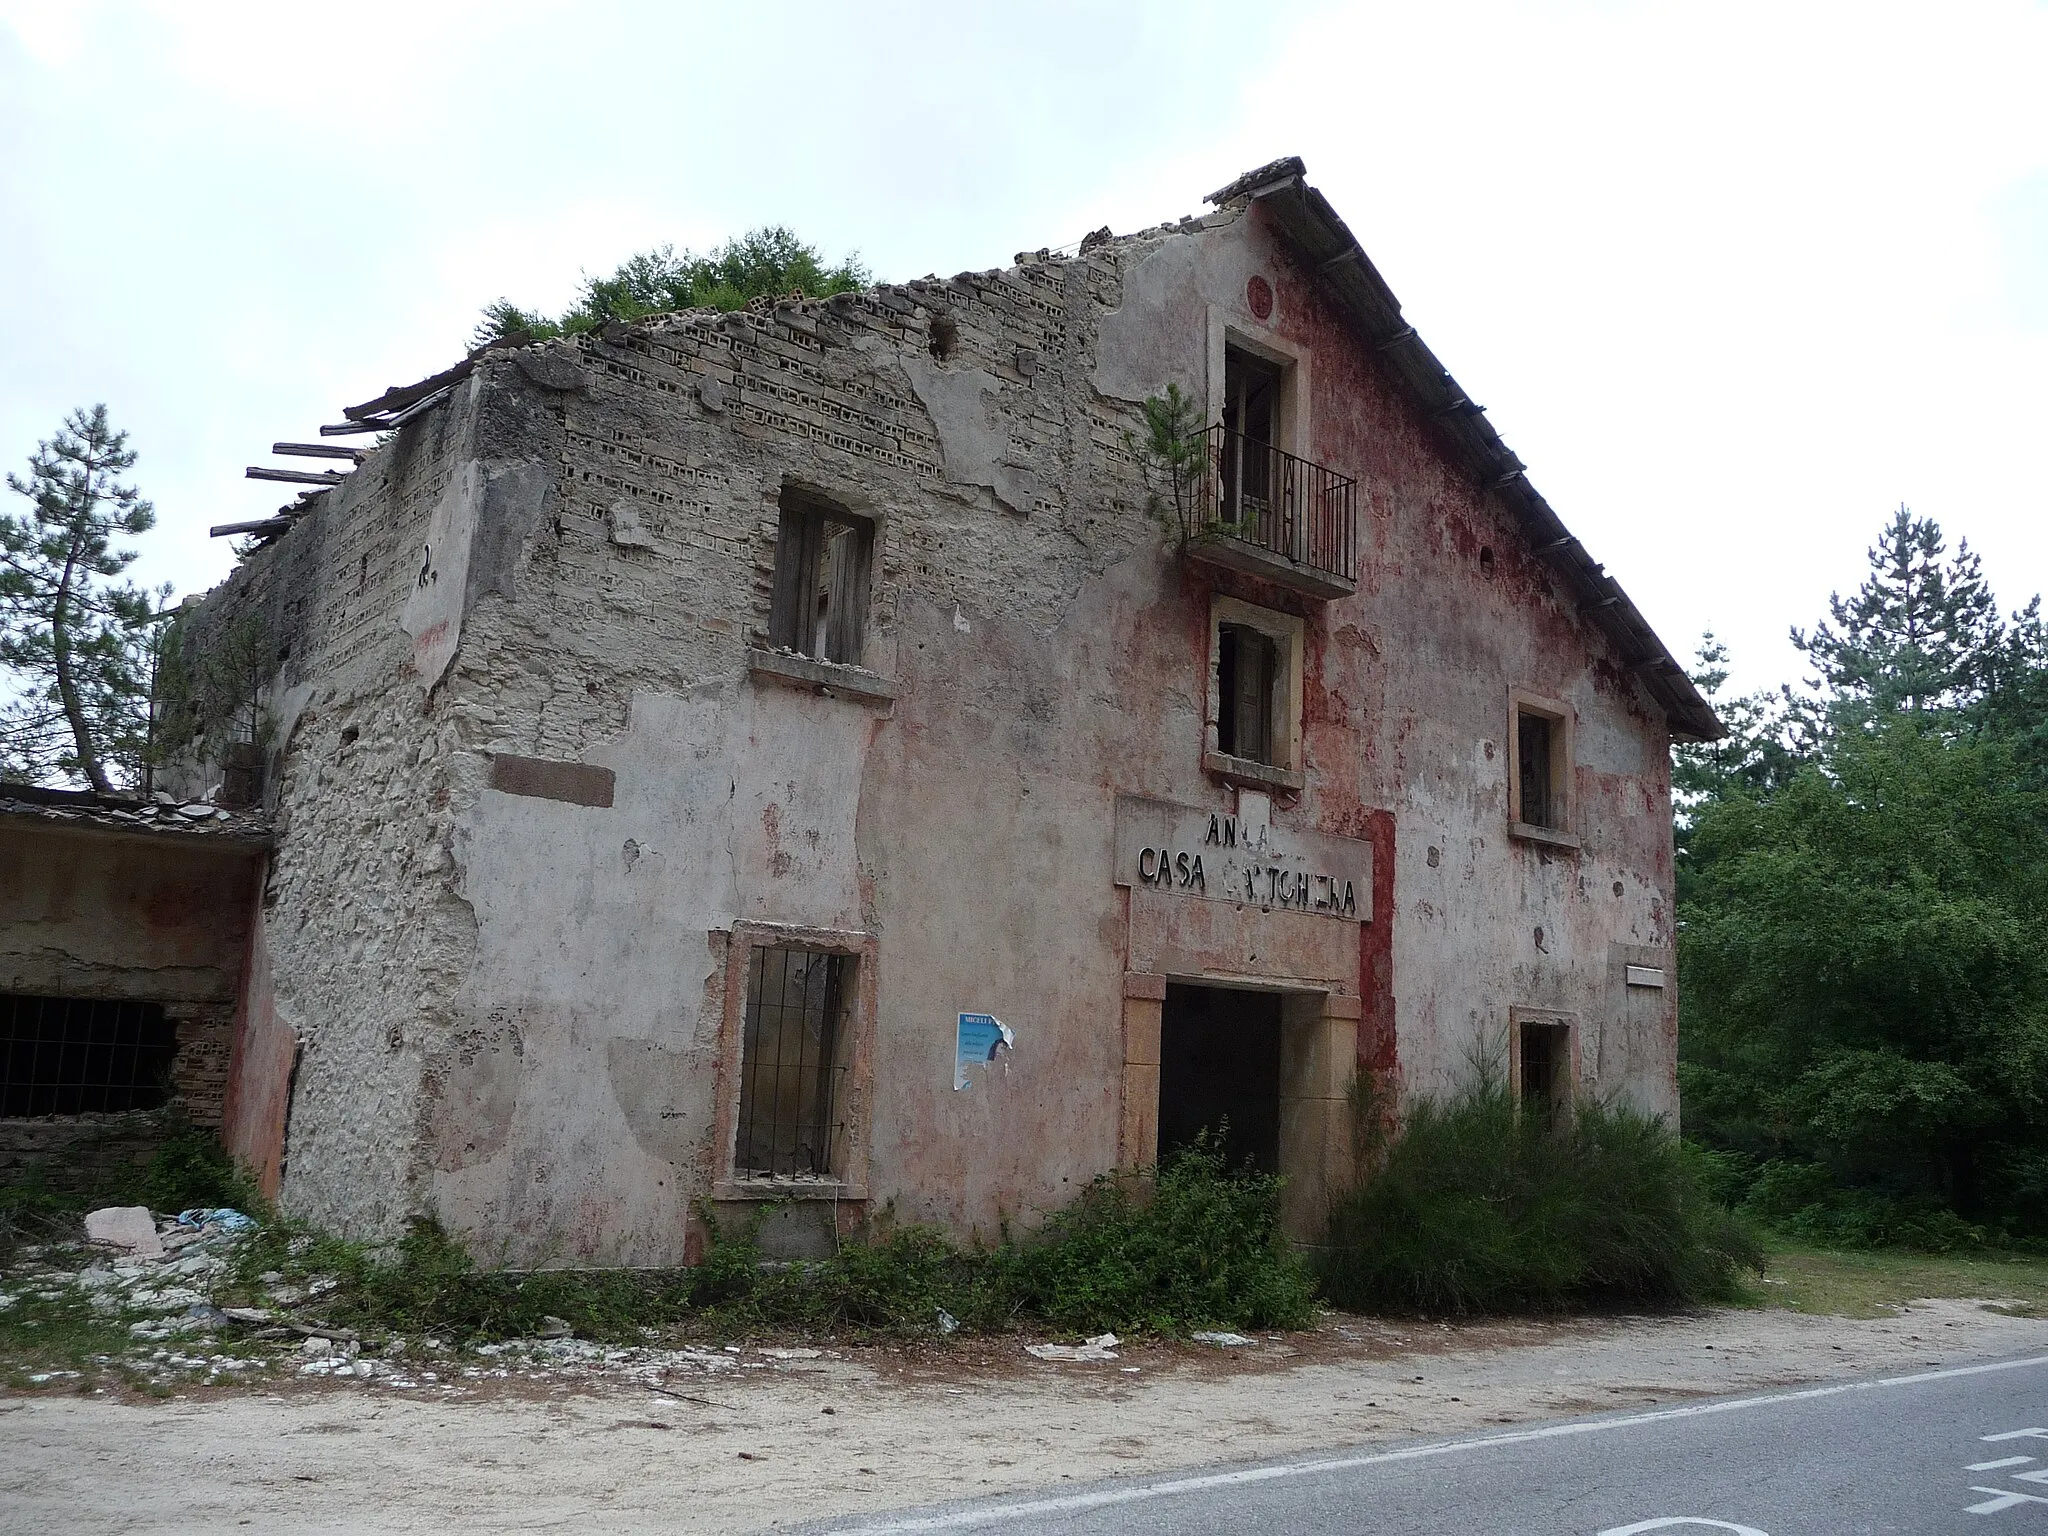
x,y
1259,294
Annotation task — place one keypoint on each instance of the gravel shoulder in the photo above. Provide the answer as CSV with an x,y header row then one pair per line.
x,y
767,1439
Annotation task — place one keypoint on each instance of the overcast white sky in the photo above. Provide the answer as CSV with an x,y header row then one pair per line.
x,y
1734,280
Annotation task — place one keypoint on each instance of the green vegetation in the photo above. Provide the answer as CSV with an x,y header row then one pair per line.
x,y
57,1329
770,262
1198,1246
1173,456
1874,1283
1863,905
1479,1205
81,647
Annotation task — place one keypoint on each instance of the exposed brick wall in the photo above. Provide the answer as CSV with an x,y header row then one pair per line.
x,y
70,1154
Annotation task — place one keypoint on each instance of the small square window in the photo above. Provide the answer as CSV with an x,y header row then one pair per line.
x,y
793,1063
822,557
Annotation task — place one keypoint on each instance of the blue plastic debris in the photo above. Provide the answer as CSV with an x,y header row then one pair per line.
x,y
227,1219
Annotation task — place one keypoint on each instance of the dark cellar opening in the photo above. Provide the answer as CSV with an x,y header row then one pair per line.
x,y
1219,1069
82,1056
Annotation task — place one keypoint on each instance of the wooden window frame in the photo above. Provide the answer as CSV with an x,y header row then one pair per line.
x,y
849,1180
800,551
1230,330
1564,833
1289,634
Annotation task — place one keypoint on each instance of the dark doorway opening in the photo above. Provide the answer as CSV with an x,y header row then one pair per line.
x,y
1219,1070
1545,1070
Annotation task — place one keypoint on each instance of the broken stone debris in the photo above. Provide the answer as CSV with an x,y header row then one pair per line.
x,y
1221,1340
1102,1347
128,1227
180,1333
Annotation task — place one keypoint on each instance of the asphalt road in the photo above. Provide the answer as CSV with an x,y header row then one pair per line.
x,y
1961,1450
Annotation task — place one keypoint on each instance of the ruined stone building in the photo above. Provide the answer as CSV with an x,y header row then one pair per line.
x,y
795,755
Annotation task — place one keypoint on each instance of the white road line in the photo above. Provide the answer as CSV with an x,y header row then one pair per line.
x,y
2015,1434
1104,1498
1993,1466
2000,1500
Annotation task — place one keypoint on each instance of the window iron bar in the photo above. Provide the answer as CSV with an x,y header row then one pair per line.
x,y
790,1066
81,1056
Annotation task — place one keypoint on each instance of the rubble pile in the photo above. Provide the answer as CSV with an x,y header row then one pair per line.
x,y
165,1276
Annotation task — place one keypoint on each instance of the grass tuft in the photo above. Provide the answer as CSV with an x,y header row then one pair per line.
x,y
1197,1246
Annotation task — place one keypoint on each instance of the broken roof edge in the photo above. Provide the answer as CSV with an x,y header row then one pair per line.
x,y
161,818
1335,255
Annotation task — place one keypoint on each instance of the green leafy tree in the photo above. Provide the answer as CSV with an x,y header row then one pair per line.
x,y
78,640
1863,914
1866,965
770,262
2014,703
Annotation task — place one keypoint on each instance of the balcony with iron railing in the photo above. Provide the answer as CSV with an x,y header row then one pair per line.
x,y
1264,511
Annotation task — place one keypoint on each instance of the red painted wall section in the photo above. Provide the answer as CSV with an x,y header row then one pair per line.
x,y
260,1071
1378,1048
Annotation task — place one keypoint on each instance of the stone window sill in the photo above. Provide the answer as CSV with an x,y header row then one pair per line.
x,y
834,679
1253,775
1550,837
786,1189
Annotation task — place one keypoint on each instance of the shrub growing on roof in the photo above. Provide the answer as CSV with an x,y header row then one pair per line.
x,y
769,262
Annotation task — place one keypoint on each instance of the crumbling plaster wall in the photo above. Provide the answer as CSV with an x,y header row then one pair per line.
x,y
361,932
510,1005
1409,708
1047,656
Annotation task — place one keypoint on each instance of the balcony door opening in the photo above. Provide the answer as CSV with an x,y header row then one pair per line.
x,y
1251,396
1251,432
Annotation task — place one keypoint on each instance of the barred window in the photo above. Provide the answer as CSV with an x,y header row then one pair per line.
x,y
78,1056
792,1063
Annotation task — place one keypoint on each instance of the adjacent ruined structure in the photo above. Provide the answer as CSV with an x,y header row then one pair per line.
x,y
124,925
819,755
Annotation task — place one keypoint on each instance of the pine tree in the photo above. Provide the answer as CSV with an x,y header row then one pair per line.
x,y
1753,758
1922,635
2014,705
79,641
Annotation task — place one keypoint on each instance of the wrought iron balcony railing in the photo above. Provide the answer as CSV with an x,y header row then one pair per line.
x,y
1302,515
